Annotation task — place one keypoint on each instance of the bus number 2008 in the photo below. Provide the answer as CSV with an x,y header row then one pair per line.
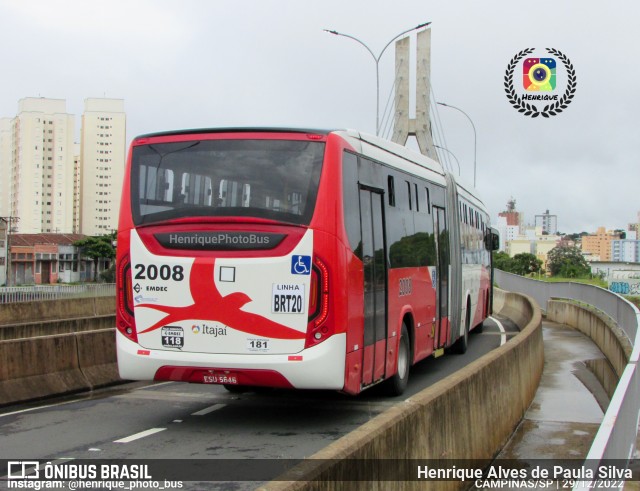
x,y
164,272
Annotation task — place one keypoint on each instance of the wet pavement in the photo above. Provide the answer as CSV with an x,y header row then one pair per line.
x,y
569,404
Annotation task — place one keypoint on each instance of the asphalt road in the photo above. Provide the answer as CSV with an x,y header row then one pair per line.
x,y
206,423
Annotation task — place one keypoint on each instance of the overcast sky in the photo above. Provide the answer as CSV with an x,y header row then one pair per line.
x,y
197,63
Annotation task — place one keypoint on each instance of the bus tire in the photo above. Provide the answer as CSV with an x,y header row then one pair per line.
x,y
397,384
461,345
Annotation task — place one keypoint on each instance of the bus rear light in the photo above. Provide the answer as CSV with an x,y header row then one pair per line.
x,y
125,321
318,304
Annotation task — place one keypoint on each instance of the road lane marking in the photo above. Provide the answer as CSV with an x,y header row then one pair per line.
x,y
39,407
153,386
503,333
209,409
137,436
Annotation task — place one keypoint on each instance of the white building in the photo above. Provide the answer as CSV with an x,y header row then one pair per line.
x,y
625,250
49,183
41,166
5,166
507,232
102,161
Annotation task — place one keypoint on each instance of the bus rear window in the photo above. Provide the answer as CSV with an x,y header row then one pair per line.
x,y
273,179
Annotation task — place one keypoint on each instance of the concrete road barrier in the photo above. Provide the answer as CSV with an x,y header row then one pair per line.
x,y
55,347
603,331
68,308
39,367
55,365
468,415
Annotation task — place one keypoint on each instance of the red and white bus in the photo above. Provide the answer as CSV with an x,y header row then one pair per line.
x,y
294,258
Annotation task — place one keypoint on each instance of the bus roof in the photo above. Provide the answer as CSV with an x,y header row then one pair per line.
x,y
199,131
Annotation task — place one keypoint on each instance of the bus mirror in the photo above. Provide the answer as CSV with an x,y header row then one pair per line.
x,y
495,241
492,240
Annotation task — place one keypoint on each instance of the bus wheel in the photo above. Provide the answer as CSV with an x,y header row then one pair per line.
x,y
461,345
398,382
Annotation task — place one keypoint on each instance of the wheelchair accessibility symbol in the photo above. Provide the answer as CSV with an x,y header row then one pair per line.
x,y
301,265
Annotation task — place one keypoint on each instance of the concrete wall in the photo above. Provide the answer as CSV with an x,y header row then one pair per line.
x,y
71,350
24,312
468,415
54,365
602,330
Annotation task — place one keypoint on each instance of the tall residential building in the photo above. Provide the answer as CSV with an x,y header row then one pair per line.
x,y
41,166
5,167
76,189
102,162
625,250
599,244
549,223
513,217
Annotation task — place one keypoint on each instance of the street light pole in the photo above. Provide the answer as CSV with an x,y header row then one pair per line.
x,y
475,138
376,60
452,154
8,222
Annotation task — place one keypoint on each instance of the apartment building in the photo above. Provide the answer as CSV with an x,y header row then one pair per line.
x,y
102,161
39,166
626,250
5,156
598,245
51,184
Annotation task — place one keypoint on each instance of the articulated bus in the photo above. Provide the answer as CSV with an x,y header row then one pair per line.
x,y
294,258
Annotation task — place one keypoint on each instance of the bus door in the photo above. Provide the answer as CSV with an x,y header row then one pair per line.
x,y
374,258
442,284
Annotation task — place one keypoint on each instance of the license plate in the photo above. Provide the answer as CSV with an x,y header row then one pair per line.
x,y
219,378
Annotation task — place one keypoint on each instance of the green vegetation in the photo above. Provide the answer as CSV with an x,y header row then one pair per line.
x,y
589,280
96,248
523,264
633,300
567,262
563,263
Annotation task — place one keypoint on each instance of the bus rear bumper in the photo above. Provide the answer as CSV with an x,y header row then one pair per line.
x,y
319,367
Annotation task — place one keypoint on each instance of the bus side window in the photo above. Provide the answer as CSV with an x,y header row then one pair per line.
x,y
295,200
235,194
428,201
391,191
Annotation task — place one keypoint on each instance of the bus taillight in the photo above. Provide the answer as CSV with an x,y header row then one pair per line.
x,y
125,321
318,304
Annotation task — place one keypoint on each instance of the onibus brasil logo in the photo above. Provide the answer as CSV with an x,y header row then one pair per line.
x,y
539,80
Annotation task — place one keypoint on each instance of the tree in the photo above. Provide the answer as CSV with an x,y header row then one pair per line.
x,y
525,263
567,262
522,264
96,248
502,261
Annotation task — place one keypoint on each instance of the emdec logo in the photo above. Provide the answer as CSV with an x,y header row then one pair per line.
x,y
539,80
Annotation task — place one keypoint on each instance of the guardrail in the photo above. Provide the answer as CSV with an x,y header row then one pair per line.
x,y
616,437
16,294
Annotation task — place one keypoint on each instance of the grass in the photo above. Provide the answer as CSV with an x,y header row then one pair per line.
x,y
589,281
633,300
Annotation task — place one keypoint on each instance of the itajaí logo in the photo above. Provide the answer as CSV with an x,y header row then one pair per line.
x,y
539,81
